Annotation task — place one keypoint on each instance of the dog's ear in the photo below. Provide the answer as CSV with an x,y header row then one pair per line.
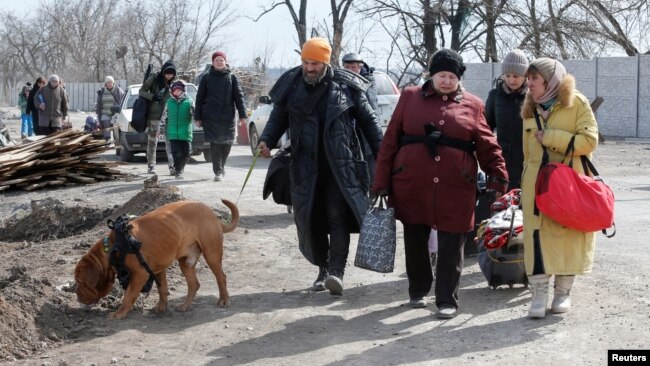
x,y
106,281
86,273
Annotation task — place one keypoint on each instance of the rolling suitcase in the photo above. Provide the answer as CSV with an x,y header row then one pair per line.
x,y
501,248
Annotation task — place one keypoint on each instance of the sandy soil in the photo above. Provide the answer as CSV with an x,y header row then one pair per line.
x,y
274,319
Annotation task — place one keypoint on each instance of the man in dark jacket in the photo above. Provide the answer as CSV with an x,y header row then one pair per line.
x,y
353,62
329,178
156,90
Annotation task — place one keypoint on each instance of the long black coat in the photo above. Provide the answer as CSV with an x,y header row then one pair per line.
x,y
219,93
340,146
502,112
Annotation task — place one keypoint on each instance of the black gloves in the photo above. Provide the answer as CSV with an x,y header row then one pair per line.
x,y
157,98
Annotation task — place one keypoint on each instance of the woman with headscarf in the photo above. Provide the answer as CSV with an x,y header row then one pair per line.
x,y
427,165
550,248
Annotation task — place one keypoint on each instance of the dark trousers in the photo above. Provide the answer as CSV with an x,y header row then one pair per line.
x,y
181,154
219,154
418,264
49,129
37,128
332,216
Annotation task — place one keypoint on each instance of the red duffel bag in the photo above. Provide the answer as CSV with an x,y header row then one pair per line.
x,y
577,201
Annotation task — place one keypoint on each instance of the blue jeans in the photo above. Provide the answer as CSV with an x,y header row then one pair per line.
x,y
26,128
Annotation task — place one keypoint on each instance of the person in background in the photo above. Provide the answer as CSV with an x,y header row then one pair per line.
x,y
156,90
26,128
32,108
219,94
550,248
329,184
503,112
354,63
177,117
427,165
107,96
52,102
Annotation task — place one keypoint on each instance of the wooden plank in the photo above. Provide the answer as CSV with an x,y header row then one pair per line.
x,y
11,158
34,186
79,178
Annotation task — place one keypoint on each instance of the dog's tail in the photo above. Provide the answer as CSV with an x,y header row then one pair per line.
x,y
234,220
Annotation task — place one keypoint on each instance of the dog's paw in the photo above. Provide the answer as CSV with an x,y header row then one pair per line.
x,y
223,303
182,308
160,308
115,315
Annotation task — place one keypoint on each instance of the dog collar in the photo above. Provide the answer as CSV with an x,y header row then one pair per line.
x,y
106,244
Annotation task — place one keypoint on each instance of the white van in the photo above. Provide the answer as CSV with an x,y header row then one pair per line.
x,y
129,142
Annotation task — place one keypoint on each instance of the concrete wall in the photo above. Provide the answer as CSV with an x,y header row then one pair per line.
x,y
624,83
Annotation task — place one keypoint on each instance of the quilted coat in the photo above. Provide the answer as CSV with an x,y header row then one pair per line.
x,y
339,140
438,191
564,251
219,93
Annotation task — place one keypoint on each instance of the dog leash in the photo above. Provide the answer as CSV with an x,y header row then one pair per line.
x,y
248,175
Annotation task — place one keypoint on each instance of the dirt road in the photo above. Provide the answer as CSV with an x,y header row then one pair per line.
x,y
274,319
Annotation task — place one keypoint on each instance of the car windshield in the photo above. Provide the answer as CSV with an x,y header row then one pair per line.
x,y
191,91
384,85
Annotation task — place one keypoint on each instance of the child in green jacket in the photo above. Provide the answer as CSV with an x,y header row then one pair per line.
x,y
177,118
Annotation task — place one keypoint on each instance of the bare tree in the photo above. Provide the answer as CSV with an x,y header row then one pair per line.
x,y
299,18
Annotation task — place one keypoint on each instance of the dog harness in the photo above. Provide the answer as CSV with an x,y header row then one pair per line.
x,y
125,244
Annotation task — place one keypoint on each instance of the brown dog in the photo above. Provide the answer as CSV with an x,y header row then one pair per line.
x,y
176,231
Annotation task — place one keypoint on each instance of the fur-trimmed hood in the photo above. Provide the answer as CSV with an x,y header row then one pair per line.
x,y
564,97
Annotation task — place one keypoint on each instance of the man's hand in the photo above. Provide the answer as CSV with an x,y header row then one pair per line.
x,y
198,122
264,150
242,121
41,106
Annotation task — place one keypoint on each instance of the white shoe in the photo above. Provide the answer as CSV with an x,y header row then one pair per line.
x,y
539,302
446,312
562,294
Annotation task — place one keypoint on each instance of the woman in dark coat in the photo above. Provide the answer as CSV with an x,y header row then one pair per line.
x,y
219,93
32,109
427,165
503,109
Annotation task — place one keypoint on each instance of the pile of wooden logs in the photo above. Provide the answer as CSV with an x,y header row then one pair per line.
x,y
61,159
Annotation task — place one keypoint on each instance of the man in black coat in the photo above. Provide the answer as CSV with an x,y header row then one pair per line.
x,y
329,176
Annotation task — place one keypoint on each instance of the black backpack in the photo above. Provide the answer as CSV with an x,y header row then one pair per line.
x,y
140,112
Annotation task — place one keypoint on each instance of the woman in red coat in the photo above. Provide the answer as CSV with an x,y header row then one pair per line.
x,y
427,165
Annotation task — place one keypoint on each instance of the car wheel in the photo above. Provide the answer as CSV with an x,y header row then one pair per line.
x,y
254,138
125,154
207,155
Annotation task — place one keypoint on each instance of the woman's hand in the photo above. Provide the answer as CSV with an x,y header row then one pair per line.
x,y
539,135
199,123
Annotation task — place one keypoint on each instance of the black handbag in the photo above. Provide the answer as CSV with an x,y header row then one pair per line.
x,y
377,239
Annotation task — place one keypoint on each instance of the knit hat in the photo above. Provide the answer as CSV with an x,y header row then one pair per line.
x,y
446,60
317,49
219,53
178,84
28,83
515,62
109,79
547,67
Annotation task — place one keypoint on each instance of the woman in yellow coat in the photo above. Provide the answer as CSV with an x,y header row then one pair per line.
x,y
550,248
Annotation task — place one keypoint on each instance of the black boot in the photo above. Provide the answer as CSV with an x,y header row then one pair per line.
x,y
319,284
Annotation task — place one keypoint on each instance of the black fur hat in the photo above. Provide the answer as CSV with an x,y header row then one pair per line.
x,y
446,60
